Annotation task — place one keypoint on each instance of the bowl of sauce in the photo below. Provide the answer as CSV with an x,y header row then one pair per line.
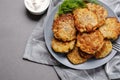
x,y
36,7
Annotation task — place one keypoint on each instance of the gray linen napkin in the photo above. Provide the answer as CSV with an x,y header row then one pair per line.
x,y
36,51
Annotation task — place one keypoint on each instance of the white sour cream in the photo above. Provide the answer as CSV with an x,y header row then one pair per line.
x,y
37,6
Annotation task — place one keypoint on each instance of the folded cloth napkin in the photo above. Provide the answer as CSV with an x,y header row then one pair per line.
x,y
36,51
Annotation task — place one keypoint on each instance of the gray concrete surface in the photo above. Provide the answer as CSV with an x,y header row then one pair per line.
x,y
16,25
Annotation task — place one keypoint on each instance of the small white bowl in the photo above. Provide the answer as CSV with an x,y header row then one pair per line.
x,y
36,8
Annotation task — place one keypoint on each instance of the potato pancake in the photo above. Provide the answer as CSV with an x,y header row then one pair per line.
x,y
85,55
111,28
63,27
105,50
90,42
62,47
100,11
85,20
74,57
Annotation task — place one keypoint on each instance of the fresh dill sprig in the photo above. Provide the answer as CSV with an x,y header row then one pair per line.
x,y
69,5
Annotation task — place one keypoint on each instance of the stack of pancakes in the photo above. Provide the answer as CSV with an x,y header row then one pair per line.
x,y
85,33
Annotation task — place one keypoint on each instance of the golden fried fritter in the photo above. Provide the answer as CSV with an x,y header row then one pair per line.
x,y
100,11
63,27
118,28
85,20
90,42
85,55
74,57
105,50
111,28
62,47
